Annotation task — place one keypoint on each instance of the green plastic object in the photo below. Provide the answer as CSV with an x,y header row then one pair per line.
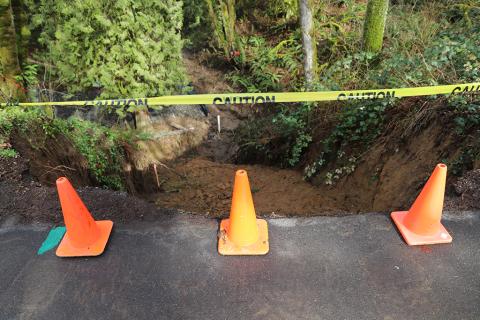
x,y
52,240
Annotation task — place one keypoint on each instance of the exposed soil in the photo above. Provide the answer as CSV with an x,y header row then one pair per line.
x,y
203,186
44,159
467,192
23,200
190,167
393,170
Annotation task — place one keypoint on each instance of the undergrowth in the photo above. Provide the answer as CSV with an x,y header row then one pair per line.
x,y
426,43
358,126
101,146
467,127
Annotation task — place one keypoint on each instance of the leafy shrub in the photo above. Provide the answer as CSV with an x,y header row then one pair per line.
x,y
196,27
359,124
8,153
268,68
417,53
101,147
287,9
426,43
466,111
279,139
338,33
124,47
467,114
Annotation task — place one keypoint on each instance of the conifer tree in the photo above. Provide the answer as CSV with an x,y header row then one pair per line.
x,y
127,48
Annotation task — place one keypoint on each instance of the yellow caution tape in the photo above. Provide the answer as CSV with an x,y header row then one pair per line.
x,y
270,97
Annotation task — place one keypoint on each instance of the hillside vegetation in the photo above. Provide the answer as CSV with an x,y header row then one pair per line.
x,y
62,50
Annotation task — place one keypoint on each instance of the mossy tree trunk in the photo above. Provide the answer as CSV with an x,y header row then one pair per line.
x,y
309,44
223,22
374,26
9,63
21,29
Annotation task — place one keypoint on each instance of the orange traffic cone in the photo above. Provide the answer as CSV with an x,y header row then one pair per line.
x,y
421,224
84,236
243,233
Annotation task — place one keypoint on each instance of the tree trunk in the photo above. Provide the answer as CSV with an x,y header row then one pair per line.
x,y
224,28
309,44
374,26
217,27
21,29
9,64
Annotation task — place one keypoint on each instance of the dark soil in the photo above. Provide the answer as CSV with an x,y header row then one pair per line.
x,y
23,200
50,157
467,192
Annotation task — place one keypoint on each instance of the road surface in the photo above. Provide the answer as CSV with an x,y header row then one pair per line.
x,y
355,267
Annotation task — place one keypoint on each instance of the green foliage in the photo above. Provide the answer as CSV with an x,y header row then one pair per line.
x,y
196,26
426,43
418,53
17,118
269,68
293,125
338,33
273,68
102,147
124,47
8,153
351,68
223,19
452,57
29,75
280,139
468,155
467,114
287,9
410,29
359,124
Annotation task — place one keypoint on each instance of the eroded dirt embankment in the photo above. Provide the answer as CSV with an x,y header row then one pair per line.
x,y
186,164
388,177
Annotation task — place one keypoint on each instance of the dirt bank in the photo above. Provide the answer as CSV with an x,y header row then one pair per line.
x,y
196,183
190,166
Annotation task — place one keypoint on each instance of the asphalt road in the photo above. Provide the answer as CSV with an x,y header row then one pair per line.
x,y
354,267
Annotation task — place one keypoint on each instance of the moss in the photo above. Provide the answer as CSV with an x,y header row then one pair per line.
x,y
9,64
375,25
4,3
25,32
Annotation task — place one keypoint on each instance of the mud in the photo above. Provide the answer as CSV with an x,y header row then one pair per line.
x,y
200,184
203,186
391,175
